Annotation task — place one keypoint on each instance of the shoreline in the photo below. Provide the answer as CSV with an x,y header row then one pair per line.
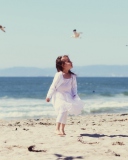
x,y
102,136
54,117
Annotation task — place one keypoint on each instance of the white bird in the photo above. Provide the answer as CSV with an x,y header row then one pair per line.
x,y
76,34
2,28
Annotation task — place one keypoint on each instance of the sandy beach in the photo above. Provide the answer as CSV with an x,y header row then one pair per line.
x,y
100,137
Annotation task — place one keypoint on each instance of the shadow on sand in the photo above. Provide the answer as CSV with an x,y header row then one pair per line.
x,y
102,135
62,157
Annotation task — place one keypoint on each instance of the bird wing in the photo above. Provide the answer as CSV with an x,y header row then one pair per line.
x,y
2,29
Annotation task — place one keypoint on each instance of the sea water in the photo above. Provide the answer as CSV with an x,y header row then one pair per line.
x,y
24,97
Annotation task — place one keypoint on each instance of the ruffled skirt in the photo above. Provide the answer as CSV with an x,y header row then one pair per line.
x,y
63,102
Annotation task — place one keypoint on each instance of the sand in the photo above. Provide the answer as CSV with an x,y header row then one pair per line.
x,y
90,137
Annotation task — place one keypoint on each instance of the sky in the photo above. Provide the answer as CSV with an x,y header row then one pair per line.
x,y
38,31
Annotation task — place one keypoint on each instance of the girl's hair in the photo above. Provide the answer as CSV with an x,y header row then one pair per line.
x,y
59,64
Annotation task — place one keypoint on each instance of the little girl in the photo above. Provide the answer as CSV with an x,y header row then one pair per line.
x,y
63,92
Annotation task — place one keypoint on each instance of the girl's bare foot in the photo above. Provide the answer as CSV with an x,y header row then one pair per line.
x,y
57,132
63,133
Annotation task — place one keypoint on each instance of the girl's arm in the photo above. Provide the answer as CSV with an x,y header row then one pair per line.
x,y
74,86
52,88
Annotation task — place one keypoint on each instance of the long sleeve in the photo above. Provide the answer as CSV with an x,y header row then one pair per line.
x,y
74,86
53,86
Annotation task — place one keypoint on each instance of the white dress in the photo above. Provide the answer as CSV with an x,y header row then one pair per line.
x,y
63,99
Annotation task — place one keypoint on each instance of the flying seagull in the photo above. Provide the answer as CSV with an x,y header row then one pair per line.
x,y
76,34
2,28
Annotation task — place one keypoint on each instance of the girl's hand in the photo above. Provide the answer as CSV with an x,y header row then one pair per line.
x,y
47,99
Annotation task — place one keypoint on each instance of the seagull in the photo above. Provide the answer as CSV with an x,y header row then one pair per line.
x,y
76,34
2,28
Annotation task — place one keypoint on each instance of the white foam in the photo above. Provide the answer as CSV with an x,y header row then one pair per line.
x,y
10,107
109,103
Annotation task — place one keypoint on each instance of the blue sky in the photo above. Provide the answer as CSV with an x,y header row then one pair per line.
x,y
37,31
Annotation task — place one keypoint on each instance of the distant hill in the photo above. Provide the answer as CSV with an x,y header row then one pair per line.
x,y
81,71
26,72
103,71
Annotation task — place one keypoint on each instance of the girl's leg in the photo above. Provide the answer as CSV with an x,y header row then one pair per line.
x,y
62,129
60,122
63,123
57,131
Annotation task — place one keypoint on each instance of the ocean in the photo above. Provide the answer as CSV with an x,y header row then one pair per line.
x,y
24,97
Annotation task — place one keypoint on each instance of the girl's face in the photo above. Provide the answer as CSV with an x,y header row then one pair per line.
x,y
67,63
